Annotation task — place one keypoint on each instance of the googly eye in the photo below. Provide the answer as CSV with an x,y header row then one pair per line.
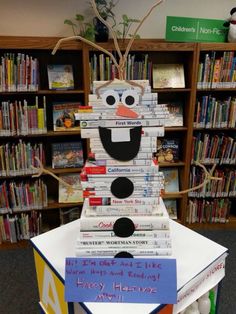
x,y
130,98
110,98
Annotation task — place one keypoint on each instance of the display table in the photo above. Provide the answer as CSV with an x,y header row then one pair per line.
x,y
200,267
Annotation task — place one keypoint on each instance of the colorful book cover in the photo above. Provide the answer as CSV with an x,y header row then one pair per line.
x,y
168,76
175,114
60,76
72,193
67,155
65,116
171,207
167,150
171,179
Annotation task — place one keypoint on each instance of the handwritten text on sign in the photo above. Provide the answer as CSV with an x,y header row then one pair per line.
x,y
132,280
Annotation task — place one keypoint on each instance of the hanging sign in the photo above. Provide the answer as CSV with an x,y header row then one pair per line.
x,y
195,29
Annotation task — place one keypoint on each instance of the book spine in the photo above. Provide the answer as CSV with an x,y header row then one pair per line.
x,y
122,123
127,210
143,193
141,223
133,162
106,156
121,170
146,131
146,234
139,183
134,252
117,242
96,201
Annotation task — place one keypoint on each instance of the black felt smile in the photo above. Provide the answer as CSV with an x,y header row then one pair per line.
x,y
123,151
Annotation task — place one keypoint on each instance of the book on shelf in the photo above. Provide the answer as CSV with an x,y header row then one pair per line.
x,y
167,150
60,76
168,76
72,193
65,116
176,117
171,182
19,118
171,207
67,155
18,72
20,227
208,211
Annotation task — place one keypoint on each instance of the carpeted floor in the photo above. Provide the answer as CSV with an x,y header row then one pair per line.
x,y
18,285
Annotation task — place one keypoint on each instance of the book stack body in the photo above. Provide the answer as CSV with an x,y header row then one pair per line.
x,y
123,214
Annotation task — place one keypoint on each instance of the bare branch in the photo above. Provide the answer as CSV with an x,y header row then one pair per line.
x,y
108,26
137,29
208,178
60,41
42,170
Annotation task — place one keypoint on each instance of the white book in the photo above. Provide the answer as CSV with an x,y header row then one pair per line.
x,y
111,115
107,184
109,210
114,162
90,168
142,149
134,252
138,193
99,147
118,242
108,157
140,222
95,201
158,177
145,234
122,123
148,140
146,131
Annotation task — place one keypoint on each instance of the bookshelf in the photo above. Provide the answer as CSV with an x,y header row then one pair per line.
x,y
214,125
48,212
79,55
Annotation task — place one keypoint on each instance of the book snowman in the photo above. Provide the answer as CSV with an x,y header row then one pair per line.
x,y
123,214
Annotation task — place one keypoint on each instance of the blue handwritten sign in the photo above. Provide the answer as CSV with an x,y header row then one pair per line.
x,y
130,280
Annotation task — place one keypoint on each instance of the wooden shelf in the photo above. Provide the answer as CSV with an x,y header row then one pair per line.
x,y
171,164
171,90
202,90
214,129
56,205
176,129
213,226
56,171
169,195
18,245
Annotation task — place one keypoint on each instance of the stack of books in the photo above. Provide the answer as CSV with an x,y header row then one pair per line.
x,y
123,214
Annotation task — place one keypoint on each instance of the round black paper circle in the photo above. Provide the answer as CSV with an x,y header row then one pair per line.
x,y
123,254
122,187
123,227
